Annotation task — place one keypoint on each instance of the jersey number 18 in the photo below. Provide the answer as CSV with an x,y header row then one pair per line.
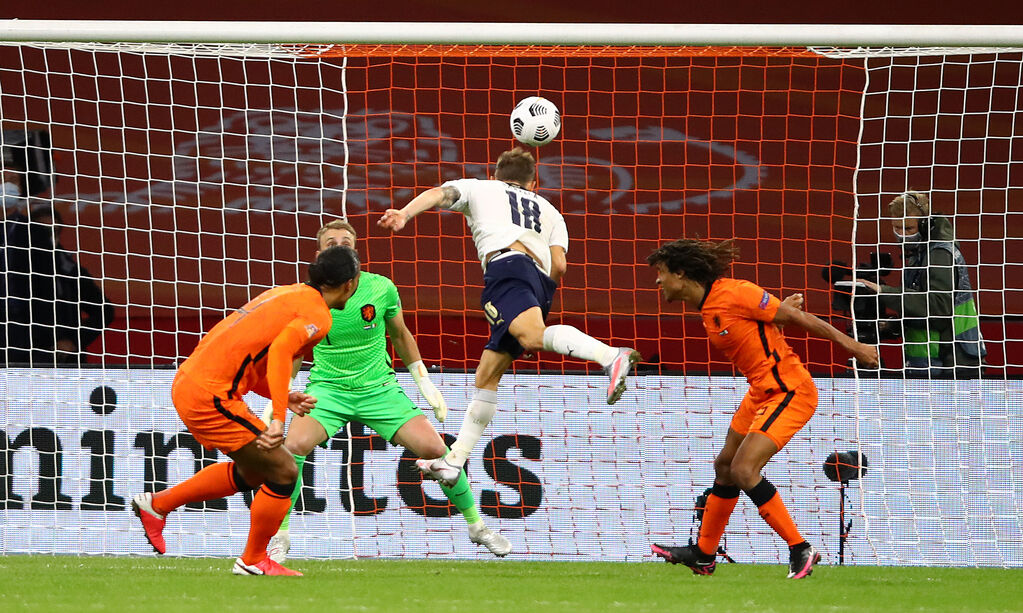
x,y
524,212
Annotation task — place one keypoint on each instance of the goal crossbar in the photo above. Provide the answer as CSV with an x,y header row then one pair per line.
x,y
844,35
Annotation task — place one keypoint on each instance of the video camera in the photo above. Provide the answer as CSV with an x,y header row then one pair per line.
x,y
28,152
872,321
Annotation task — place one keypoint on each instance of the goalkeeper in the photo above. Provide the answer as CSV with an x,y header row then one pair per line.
x,y
352,379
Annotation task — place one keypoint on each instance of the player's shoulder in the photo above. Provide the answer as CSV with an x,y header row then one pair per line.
x,y
465,183
726,289
739,285
311,301
375,280
289,301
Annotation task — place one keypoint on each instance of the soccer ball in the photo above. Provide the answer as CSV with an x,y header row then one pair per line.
x,y
535,121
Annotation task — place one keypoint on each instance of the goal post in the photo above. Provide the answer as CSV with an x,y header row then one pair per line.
x,y
191,164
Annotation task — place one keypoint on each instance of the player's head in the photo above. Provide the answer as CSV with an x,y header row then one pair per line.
x,y
337,232
909,213
690,261
516,166
335,272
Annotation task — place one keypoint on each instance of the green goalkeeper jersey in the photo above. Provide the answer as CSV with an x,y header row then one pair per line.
x,y
353,355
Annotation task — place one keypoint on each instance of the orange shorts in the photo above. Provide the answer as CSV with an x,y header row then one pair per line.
x,y
217,423
779,415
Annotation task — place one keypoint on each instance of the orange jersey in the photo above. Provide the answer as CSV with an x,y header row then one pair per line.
x,y
738,316
253,348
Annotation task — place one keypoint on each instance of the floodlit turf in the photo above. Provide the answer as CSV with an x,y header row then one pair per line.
x,y
65,583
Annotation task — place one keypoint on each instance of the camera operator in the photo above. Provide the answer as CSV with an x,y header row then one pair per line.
x,y
940,324
54,309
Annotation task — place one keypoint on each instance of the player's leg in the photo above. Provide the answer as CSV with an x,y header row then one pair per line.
x,y
215,481
304,434
702,556
420,437
510,288
482,408
516,299
782,416
203,415
723,496
533,334
269,505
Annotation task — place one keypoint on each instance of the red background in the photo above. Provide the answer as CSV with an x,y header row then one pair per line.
x,y
797,117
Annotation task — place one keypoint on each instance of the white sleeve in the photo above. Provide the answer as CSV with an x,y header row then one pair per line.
x,y
559,236
464,188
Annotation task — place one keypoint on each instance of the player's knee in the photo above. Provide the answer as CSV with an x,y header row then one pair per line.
x,y
744,475
283,490
723,470
298,446
246,479
432,450
284,472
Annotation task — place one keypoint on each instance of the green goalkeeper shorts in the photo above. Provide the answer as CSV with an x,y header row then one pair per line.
x,y
384,409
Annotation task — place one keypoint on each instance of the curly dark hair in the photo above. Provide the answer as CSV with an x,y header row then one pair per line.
x,y
334,267
701,260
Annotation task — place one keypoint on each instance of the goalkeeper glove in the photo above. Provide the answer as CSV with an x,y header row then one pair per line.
x,y
429,390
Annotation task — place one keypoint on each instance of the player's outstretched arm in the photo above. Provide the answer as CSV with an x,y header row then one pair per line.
x,y
866,355
395,219
408,350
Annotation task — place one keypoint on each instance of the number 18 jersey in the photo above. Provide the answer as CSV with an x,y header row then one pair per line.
x,y
500,213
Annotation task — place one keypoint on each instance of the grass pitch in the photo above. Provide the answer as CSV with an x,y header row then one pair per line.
x,y
67,583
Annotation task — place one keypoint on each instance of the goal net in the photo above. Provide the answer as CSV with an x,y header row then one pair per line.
x,y
151,188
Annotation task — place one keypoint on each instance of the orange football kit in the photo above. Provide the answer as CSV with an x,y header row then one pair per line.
x,y
782,397
250,350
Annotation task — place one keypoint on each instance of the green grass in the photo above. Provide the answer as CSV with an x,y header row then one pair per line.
x,y
64,583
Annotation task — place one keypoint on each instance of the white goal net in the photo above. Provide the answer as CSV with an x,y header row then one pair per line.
x,y
151,188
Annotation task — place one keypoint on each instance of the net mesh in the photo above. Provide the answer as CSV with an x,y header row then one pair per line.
x,y
190,178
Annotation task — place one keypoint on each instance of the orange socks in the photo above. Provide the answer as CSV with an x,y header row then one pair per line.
x,y
214,481
773,510
269,506
720,504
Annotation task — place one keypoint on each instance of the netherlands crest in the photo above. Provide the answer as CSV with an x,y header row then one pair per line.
x,y
369,312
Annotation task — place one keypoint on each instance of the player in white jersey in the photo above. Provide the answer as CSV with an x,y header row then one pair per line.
x,y
522,241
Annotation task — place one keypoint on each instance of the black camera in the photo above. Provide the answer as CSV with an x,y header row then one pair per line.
x,y
871,320
29,153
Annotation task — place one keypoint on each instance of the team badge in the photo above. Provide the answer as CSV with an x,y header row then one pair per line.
x,y
369,312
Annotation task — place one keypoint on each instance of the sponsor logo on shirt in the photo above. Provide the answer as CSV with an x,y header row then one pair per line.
x,y
765,300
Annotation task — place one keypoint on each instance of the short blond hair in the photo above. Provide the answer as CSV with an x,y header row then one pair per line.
x,y
910,204
337,224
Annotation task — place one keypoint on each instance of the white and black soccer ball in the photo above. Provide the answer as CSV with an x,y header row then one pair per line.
x,y
535,121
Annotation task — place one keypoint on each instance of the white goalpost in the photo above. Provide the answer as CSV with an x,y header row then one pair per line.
x,y
157,175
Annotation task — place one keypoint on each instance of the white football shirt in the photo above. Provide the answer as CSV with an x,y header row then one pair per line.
x,y
500,213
